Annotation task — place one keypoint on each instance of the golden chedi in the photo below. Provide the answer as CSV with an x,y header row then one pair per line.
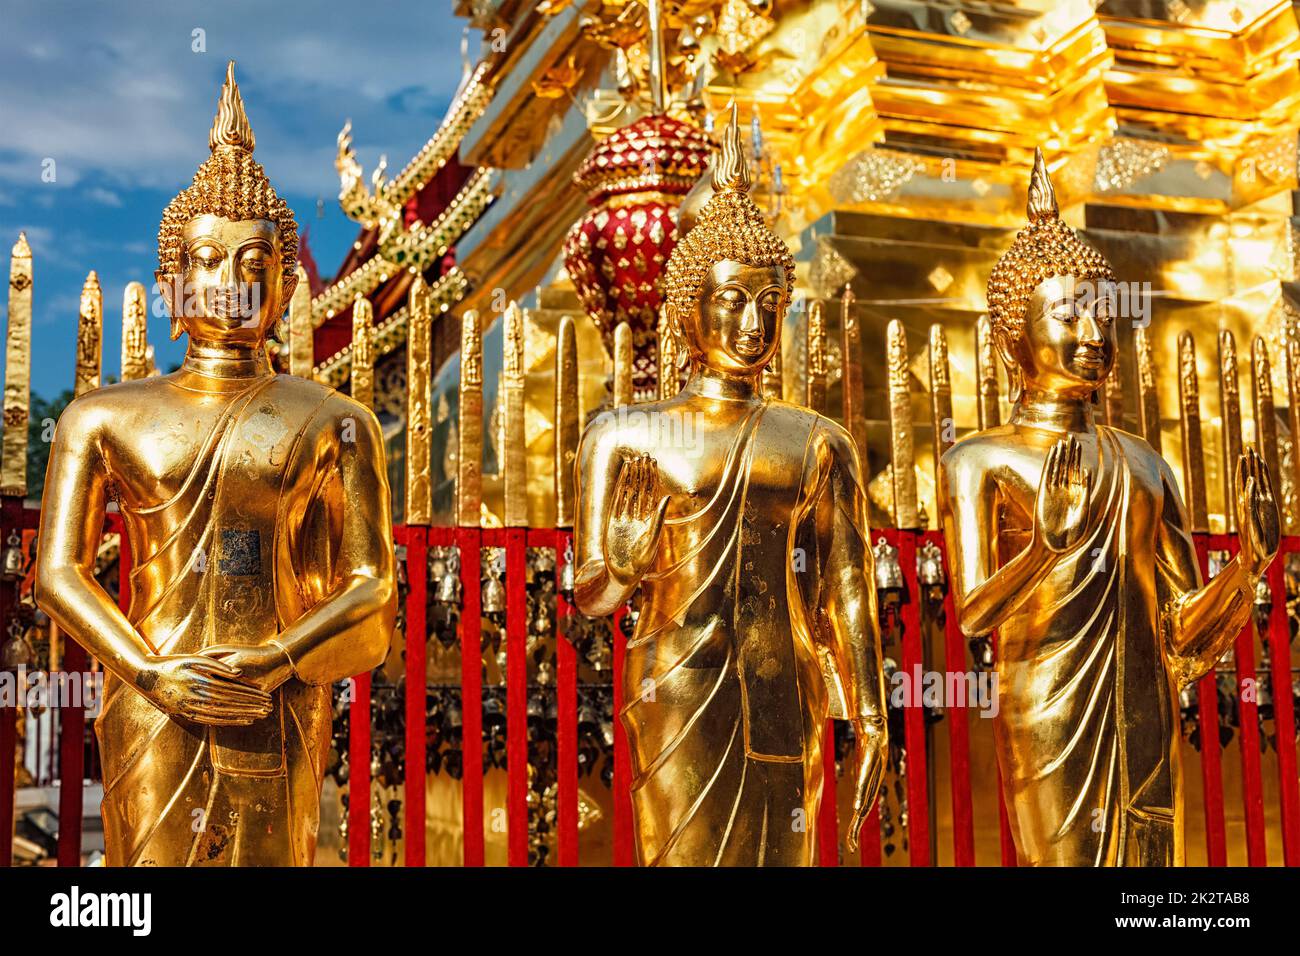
x,y
1070,539
742,522
256,510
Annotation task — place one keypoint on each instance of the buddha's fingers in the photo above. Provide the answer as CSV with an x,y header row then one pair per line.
x,y
230,691
622,489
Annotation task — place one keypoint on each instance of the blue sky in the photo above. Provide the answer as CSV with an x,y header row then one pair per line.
x,y
117,97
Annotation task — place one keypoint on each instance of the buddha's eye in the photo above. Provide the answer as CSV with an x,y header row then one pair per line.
x,y
731,296
770,301
207,257
254,260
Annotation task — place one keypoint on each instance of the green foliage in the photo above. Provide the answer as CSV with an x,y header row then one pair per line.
x,y
40,435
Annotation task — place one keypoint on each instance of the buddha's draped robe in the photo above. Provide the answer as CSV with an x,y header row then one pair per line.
x,y
1088,727
728,679
242,548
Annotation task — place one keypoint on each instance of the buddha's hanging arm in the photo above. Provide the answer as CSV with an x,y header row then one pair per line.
x,y
847,610
183,685
1201,623
348,632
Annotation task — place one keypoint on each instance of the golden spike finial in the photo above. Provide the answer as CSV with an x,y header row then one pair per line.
x,y
21,248
1042,195
231,128
731,172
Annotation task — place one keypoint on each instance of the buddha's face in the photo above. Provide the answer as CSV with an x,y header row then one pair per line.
x,y
737,327
1068,346
231,286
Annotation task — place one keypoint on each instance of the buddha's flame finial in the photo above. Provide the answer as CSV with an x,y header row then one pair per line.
x,y
231,128
1042,196
731,172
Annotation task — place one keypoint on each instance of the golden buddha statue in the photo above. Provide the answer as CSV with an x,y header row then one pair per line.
x,y
1071,540
256,507
743,522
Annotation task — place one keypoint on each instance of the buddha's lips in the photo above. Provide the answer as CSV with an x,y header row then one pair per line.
x,y
748,343
227,304
1090,358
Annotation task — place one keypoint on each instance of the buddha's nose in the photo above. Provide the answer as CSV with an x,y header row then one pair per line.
x,y
749,321
1090,329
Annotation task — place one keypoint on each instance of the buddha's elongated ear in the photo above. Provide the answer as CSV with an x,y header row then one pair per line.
x,y
1006,352
287,287
169,289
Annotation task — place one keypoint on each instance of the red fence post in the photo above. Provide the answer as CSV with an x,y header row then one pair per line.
x,y
359,772
72,760
417,578
954,646
471,693
828,818
566,731
517,696
1006,840
10,520
1216,839
1279,644
623,850
913,662
1252,778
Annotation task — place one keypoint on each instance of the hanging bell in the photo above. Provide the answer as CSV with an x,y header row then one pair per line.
x,y
929,565
566,573
889,573
494,596
448,576
494,592
13,564
1263,608
16,653
890,586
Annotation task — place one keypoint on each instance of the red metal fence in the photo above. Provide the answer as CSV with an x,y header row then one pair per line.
x,y
516,541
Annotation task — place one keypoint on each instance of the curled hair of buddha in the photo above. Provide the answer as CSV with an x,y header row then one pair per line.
x,y
230,184
1044,249
730,226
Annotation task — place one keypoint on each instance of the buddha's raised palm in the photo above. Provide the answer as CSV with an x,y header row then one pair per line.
x,y
636,519
1258,526
1064,489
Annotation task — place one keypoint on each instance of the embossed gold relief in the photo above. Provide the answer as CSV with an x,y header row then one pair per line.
x,y
511,409
302,346
135,333
257,511
90,336
419,413
568,413
902,457
18,365
362,382
469,453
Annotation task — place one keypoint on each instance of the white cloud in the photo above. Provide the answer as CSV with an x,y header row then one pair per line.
x,y
123,97
103,196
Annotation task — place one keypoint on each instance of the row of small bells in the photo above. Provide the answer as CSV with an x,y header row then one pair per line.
x,y
444,716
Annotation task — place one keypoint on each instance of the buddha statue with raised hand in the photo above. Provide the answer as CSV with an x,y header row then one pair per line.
x,y
743,522
256,514
1069,538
